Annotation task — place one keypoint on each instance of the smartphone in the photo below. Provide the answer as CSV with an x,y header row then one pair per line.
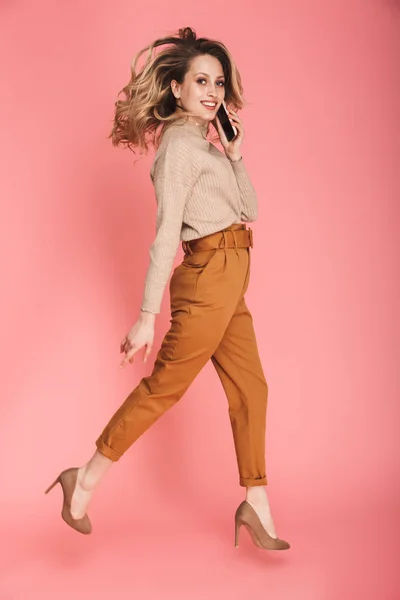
x,y
229,130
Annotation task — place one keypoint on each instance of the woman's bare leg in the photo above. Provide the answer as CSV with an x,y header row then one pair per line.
x,y
258,499
89,477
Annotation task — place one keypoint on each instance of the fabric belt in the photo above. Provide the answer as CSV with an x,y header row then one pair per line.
x,y
236,236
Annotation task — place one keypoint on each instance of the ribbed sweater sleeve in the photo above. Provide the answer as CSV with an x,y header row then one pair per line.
x,y
172,179
248,196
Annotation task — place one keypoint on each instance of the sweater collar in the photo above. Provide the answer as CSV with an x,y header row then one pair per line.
x,y
192,125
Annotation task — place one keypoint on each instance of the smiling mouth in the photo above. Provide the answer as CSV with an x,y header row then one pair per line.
x,y
209,105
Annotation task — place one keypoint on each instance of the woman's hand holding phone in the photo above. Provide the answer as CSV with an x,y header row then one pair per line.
x,y
232,148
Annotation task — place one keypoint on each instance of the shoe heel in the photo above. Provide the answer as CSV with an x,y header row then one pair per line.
x,y
52,485
237,527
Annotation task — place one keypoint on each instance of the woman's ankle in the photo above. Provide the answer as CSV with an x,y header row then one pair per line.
x,y
256,495
83,481
90,474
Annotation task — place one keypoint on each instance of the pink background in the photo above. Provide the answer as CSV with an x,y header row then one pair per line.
x,y
322,147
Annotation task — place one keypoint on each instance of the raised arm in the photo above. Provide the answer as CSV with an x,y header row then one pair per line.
x,y
248,197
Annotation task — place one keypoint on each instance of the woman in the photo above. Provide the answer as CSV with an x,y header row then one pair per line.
x,y
203,195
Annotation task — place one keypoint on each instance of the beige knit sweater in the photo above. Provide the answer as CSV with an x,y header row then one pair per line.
x,y
199,191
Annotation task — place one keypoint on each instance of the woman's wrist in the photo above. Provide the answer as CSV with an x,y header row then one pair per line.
x,y
147,316
234,158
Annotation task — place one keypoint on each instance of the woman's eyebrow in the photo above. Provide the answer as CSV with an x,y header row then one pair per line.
x,y
207,75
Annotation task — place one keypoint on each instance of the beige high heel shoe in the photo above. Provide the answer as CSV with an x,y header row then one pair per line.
x,y
67,479
247,516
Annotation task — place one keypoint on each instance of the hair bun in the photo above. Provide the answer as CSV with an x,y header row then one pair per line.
x,y
187,33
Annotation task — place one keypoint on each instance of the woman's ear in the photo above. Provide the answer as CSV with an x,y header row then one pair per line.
x,y
175,89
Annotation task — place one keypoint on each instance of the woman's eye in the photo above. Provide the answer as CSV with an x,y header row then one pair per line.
x,y
219,83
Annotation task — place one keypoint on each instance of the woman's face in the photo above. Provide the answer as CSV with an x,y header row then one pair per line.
x,y
203,88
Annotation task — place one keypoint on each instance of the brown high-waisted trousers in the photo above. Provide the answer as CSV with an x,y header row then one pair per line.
x,y
210,320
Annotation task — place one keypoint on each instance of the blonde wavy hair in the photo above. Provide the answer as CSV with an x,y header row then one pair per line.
x,y
149,105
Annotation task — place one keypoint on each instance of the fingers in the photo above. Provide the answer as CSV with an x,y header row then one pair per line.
x,y
129,356
237,122
131,351
235,117
147,353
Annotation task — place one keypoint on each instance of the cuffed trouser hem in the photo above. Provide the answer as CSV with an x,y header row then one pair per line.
x,y
252,482
107,451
